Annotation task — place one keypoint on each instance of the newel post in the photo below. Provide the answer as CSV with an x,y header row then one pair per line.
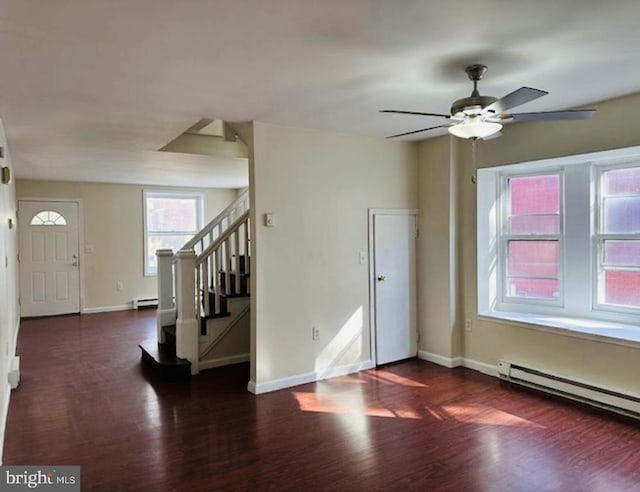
x,y
166,314
187,332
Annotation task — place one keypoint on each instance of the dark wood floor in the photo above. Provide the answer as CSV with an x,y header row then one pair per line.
x,y
410,426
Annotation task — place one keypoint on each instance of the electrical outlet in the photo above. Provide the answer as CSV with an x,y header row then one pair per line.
x,y
119,285
315,333
467,325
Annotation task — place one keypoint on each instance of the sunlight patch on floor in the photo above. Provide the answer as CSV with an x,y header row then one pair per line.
x,y
346,404
470,413
391,378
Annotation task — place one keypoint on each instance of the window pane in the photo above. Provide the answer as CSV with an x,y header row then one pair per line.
x,y
174,242
533,258
621,181
622,253
534,224
534,288
622,215
172,214
622,288
535,195
47,218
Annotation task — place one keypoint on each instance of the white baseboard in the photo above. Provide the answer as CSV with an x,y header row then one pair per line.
x,y
3,420
440,359
14,346
309,377
107,309
457,362
224,361
481,367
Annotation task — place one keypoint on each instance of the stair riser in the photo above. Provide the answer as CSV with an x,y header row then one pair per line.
x,y
244,283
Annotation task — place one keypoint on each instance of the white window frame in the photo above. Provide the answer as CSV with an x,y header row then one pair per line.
x,y
505,237
599,237
578,311
150,193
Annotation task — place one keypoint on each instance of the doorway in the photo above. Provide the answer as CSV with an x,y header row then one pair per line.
x,y
49,257
393,266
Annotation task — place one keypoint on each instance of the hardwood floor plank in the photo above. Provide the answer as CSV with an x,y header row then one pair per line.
x,y
84,400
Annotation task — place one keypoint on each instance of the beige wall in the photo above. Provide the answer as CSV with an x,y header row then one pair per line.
x,y
112,223
438,267
319,186
614,366
9,316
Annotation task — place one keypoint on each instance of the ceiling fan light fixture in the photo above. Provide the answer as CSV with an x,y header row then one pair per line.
x,y
474,128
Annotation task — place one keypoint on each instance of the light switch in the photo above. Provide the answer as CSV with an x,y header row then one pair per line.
x,y
269,220
363,257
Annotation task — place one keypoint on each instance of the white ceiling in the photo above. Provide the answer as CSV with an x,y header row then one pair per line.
x,y
90,89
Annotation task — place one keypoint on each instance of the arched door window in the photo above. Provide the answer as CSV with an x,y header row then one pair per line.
x,y
48,218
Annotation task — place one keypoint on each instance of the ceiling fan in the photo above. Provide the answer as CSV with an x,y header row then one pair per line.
x,y
479,116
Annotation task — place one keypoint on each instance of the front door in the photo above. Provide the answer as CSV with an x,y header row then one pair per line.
x,y
395,286
49,258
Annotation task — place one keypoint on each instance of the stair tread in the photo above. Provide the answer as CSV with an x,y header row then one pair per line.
x,y
232,294
214,316
161,353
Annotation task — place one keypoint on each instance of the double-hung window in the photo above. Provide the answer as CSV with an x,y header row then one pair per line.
x,y
558,242
617,239
171,218
531,237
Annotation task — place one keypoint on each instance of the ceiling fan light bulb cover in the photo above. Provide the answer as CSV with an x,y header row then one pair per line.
x,y
475,129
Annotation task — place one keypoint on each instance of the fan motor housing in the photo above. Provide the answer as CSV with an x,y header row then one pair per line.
x,y
472,102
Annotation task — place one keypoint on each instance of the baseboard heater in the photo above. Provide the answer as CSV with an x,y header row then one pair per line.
x,y
144,303
622,403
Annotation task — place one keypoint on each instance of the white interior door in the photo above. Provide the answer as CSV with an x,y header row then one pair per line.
x,y
49,258
395,286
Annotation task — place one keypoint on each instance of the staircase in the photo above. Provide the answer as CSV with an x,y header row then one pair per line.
x,y
203,299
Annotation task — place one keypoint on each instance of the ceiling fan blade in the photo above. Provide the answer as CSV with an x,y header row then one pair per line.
x,y
570,114
415,113
418,131
515,98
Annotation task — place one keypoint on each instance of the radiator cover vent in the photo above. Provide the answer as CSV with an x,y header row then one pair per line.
x,y
143,303
623,403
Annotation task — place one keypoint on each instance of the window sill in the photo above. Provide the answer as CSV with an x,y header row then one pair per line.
x,y
603,331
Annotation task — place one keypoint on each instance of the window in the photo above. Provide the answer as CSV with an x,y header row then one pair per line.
x,y
559,241
170,220
531,237
618,238
48,218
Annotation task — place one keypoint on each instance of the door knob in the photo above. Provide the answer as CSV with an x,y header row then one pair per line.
x,y
381,278
75,263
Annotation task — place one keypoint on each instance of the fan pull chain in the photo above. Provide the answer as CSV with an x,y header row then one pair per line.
x,y
474,165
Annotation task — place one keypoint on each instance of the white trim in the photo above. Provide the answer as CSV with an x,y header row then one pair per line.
x,y
3,420
372,212
14,346
309,377
482,367
454,362
224,361
108,309
440,360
